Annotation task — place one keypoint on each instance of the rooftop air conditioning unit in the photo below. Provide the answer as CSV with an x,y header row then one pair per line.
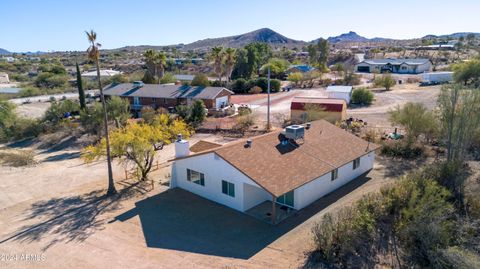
x,y
294,132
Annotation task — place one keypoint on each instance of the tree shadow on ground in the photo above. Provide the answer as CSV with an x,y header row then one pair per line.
x,y
62,157
178,220
73,218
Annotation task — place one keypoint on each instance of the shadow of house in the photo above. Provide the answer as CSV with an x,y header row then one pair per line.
x,y
179,220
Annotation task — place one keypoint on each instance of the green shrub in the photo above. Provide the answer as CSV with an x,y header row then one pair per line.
x,y
200,80
362,96
401,149
168,78
386,81
240,86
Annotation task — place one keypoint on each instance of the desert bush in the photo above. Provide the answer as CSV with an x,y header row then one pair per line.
x,y
413,215
402,149
239,86
362,96
18,158
386,81
200,80
244,122
255,90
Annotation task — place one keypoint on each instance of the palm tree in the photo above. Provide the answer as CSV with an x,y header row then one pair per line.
x,y
155,62
217,55
94,54
229,62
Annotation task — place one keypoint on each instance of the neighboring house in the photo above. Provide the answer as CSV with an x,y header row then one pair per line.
x,y
163,95
4,78
104,73
290,169
331,110
340,92
8,59
400,66
299,68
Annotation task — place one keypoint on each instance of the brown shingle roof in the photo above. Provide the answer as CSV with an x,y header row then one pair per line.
x,y
203,145
282,168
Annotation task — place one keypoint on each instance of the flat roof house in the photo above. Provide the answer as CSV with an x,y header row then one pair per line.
x,y
284,170
104,73
340,92
332,110
400,66
163,95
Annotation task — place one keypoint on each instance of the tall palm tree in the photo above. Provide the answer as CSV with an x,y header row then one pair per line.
x,y
94,54
229,62
155,62
217,55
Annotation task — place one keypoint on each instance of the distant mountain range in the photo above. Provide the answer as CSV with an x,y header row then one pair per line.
x,y
271,37
454,35
4,51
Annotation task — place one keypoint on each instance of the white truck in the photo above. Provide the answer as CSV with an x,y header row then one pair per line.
x,y
433,78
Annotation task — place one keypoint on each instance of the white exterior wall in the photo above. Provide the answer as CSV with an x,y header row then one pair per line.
x,y
215,170
340,95
221,100
323,185
253,196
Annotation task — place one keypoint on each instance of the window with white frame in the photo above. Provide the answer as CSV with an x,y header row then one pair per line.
x,y
228,188
196,177
356,163
334,174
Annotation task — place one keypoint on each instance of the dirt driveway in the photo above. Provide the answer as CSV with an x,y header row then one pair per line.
x,y
375,114
57,212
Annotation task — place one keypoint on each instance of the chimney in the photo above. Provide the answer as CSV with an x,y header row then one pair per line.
x,y
309,125
248,143
182,147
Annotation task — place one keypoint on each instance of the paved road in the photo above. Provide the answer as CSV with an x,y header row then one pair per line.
x,y
46,98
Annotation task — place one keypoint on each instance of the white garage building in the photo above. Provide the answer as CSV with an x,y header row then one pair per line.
x,y
290,169
340,92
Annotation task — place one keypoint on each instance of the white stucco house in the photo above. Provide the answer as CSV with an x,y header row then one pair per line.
x,y
391,65
291,168
340,92
104,73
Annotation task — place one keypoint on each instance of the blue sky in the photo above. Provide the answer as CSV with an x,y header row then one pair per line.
x,y
31,25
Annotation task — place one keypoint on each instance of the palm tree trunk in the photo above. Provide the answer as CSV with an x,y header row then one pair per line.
x,y
111,184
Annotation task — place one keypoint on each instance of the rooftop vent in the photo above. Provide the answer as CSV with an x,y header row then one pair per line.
x,y
179,137
138,84
294,132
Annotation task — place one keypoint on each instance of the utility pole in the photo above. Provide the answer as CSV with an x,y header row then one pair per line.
x,y
268,98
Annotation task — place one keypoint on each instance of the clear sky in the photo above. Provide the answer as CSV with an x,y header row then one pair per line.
x,y
31,25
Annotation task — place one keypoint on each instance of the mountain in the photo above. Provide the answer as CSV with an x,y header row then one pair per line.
x,y
347,37
265,35
4,51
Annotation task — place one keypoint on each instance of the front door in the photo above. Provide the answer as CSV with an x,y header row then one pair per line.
x,y
286,199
